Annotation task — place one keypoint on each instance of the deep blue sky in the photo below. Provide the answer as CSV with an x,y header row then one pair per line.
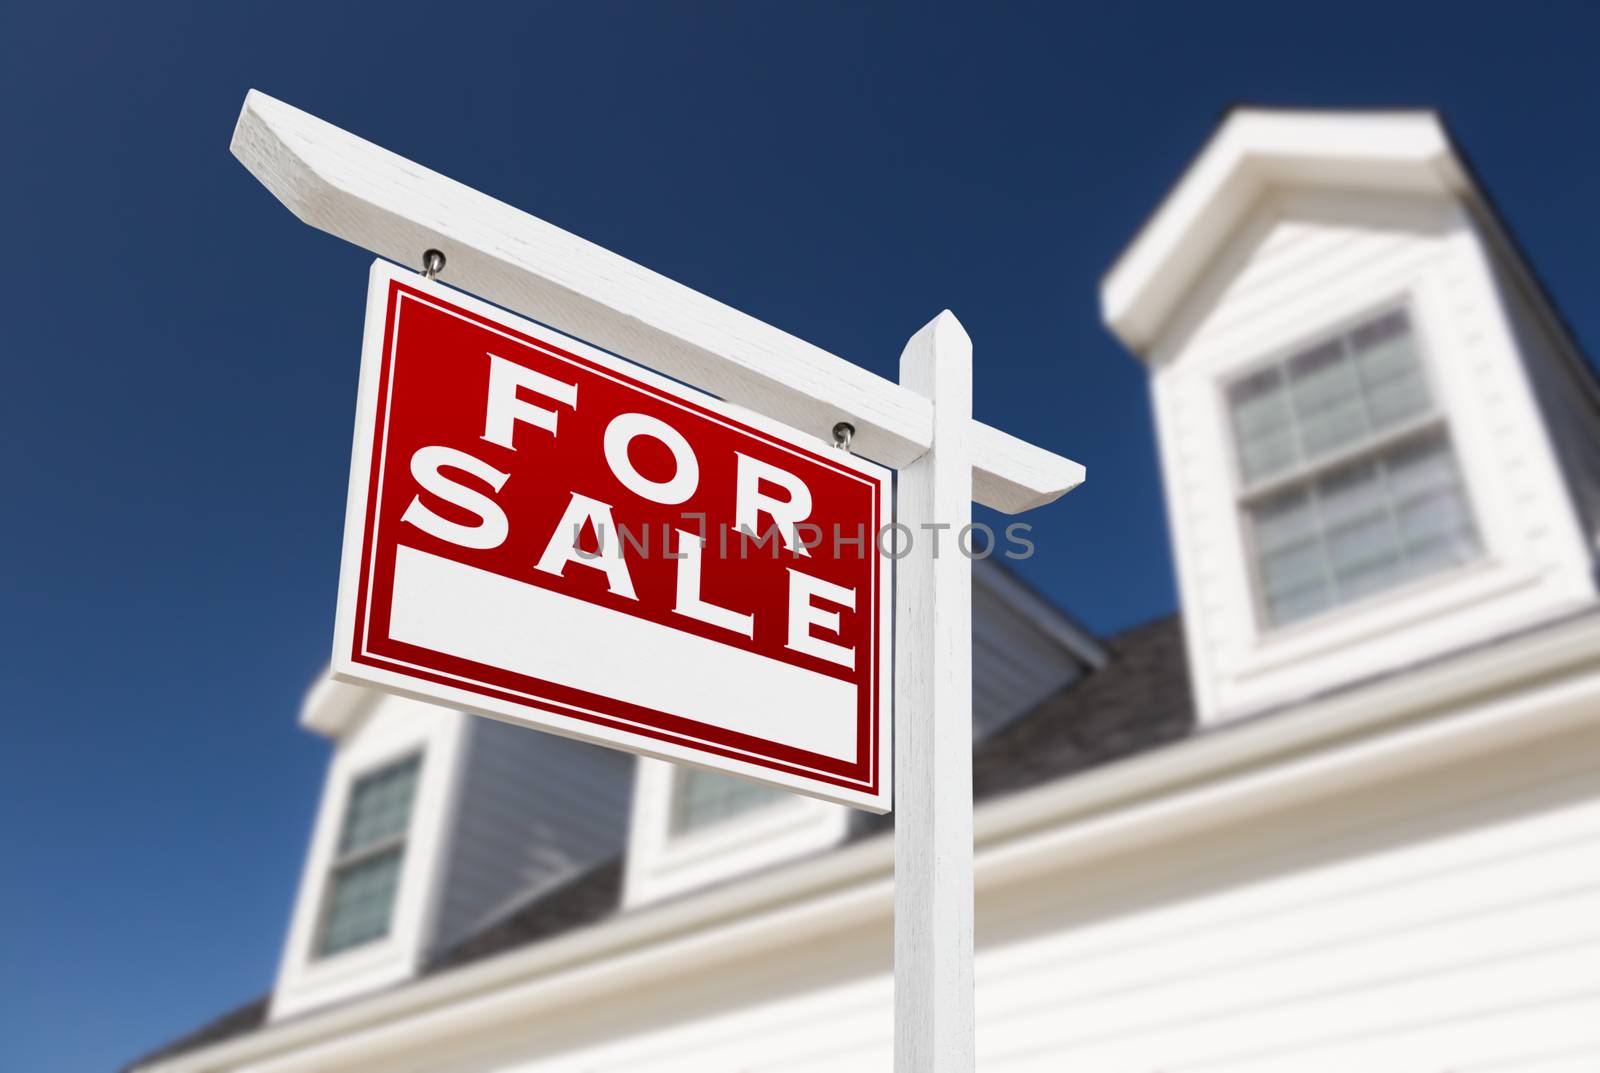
x,y
180,354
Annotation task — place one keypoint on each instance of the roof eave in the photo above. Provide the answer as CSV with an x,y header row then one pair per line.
x,y
333,708
1252,151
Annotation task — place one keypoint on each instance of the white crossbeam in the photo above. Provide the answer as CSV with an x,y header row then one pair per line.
x,y
348,187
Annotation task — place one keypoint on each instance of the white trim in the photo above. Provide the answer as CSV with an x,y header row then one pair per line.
x,y
333,708
1252,151
1522,689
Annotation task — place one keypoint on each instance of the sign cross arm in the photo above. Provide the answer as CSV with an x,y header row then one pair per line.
x,y
376,199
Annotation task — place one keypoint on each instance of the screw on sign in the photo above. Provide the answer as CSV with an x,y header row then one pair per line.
x,y
551,535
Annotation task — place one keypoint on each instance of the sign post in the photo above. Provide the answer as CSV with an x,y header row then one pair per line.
x,y
921,426
933,720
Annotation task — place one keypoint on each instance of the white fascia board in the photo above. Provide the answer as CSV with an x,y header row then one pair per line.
x,y
1257,149
397,209
333,708
1536,685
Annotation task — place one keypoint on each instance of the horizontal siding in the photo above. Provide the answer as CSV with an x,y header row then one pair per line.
x,y
1015,664
1567,398
1446,924
533,808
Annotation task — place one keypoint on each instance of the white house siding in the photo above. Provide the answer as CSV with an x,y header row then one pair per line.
x,y
1566,393
1444,923
533,808
1015,665
1309,262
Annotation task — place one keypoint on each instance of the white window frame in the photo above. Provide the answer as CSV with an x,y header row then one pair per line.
x,y
1435,421
661,863
386,731
400,840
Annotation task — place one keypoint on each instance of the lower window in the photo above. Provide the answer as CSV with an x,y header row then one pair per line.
x,y
1395,515
365,875
704,798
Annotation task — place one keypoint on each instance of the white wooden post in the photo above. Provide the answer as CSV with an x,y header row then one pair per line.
x,y
933,991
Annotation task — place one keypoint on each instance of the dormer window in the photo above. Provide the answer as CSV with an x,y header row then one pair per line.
x,y
693,828
703,799
365,873
1348,482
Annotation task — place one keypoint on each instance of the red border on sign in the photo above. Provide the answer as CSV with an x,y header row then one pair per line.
x,y
551,697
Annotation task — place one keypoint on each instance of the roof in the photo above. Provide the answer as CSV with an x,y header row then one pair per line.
x,y
236,1022
1252,150
1137,698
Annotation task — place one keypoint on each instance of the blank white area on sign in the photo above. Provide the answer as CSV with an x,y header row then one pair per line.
x,y
479,615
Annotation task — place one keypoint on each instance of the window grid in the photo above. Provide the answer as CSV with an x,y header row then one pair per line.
x,y
1320,438
1396,548
365,874
1352,351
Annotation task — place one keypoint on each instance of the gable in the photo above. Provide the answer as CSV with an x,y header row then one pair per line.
x,y
1302,257
1253,152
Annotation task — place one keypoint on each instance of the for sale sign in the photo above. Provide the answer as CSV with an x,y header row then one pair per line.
x,y
546,533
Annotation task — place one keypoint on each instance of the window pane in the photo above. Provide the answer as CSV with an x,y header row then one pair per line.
x,y
1285,519
1294,576
1329,398
380,805
360,898
1430,506
702,798
1358,531
1391,375
1263,424
1362,528
1298,603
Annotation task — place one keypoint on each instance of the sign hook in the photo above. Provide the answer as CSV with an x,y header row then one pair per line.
x,y
843,433
432,264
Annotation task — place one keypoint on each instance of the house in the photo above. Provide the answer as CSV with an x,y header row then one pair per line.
x,y
1343,814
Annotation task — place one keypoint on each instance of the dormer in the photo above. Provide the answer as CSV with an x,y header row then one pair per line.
x,y
1378,441
693,828
432,825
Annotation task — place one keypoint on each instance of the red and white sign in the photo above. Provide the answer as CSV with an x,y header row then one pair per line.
x,y
542,532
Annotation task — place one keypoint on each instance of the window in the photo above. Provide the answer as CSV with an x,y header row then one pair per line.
x,y
703,798
694,828
366,864
1350,483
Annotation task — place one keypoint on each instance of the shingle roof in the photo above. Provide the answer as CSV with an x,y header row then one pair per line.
x,y
1139,699
236,1022
584,899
